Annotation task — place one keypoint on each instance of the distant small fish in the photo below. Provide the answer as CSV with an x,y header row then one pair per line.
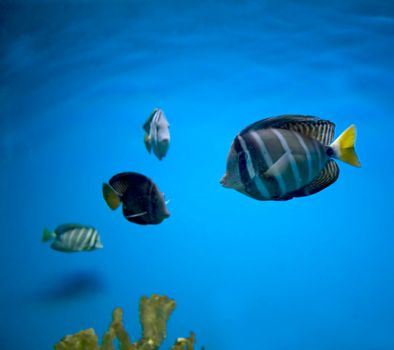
x,y
73,238
157,133
287,156
143,203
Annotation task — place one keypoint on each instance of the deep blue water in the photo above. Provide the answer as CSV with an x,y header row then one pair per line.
x,y
78,80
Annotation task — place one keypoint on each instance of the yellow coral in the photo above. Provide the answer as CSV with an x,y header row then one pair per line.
x,y
116,330
184,343
83,340
154,314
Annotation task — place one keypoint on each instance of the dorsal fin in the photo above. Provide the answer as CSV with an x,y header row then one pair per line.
x,y
314,127
68,227
61,229
327,177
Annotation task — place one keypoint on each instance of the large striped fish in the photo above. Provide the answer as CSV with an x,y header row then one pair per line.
x,y
73,238
142,201
287,156
157,133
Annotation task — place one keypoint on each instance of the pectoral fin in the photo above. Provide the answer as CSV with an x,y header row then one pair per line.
x,y
279,167
110,196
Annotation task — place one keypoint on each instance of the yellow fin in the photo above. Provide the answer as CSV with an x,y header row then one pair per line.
x,y
343,147
110,196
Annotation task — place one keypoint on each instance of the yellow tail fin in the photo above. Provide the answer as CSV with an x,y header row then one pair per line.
x,y
110,196
343,147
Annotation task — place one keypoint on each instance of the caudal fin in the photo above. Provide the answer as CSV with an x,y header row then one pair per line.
x,y
343,147
47,235
110,196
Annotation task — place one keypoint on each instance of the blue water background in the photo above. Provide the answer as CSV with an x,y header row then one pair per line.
x,y
78,80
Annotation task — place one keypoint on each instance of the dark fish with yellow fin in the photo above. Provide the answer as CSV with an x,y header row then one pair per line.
x,y
142,201
73,238
157,133
287,156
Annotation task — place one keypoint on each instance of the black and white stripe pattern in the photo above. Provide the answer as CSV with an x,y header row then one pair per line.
x,y
282,157
157,136
296,159
77,239
249,178
288,153
264,154
307,155
154,126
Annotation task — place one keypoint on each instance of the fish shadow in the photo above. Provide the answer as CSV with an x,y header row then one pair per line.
x,y
71,287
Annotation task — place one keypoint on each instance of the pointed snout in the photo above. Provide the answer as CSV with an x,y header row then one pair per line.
x,y
224,180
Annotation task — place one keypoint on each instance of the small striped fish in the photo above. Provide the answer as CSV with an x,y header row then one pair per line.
x,y
73,238
157,133
287,156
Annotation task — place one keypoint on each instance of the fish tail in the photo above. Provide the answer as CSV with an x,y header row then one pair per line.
x,y
343,147
110,196
47,235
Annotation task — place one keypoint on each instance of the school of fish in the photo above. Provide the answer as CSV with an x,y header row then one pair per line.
x,y
276,158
